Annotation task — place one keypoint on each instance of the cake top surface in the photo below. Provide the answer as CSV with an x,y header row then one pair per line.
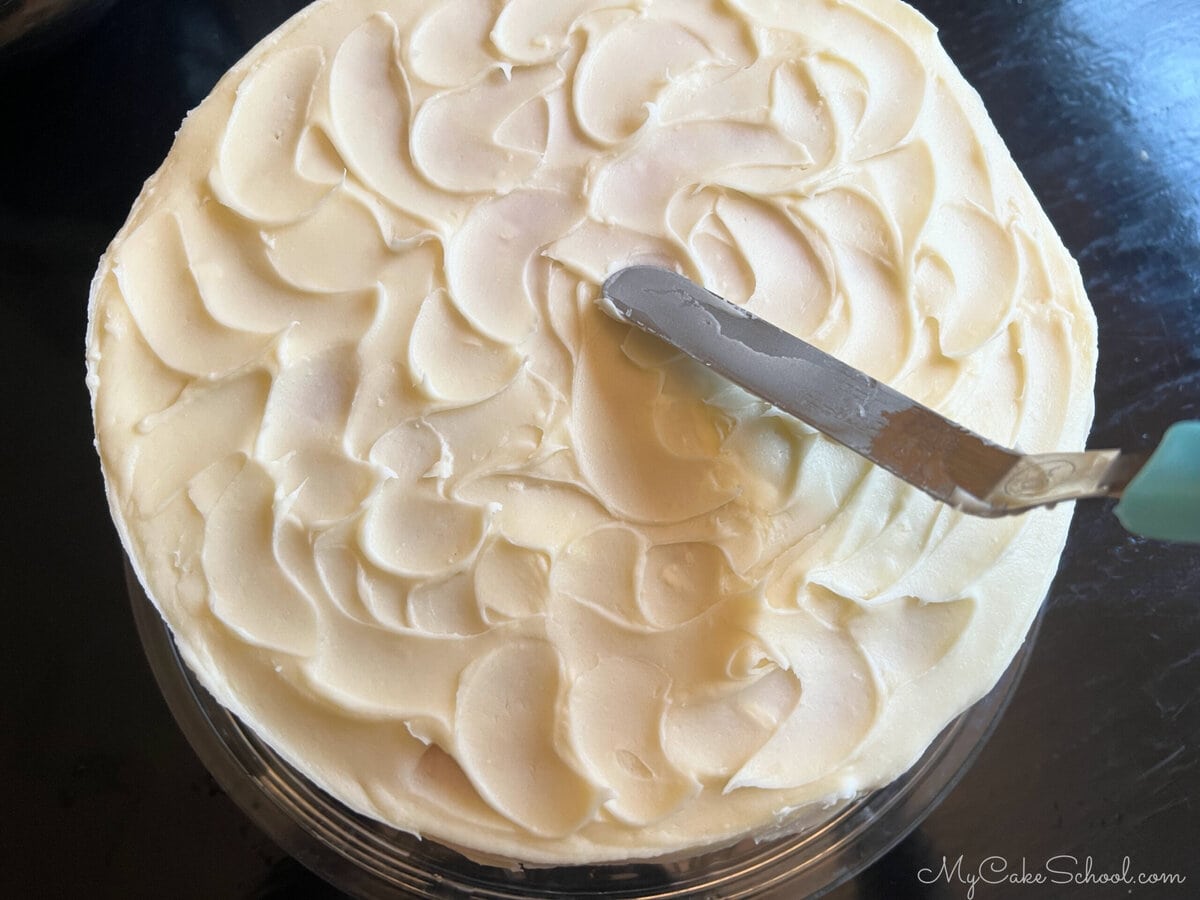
x,y
493,568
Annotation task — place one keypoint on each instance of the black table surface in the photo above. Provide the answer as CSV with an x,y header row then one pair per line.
x,y
1096,759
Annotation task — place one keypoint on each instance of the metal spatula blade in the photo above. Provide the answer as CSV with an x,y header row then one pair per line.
x,y
893,431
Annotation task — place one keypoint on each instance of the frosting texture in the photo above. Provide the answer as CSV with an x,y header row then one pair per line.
x,y
487,565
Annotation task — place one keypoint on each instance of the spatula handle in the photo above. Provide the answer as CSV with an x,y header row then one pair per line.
x,y
1163,499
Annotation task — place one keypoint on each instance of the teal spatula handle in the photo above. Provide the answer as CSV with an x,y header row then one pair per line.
x,y
1163,500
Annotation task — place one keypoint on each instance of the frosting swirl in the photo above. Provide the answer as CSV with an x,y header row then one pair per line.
x,y
487,565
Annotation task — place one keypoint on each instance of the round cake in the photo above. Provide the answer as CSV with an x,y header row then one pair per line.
x,y
494,569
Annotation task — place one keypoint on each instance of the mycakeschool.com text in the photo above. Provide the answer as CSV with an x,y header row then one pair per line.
x,y
1066,870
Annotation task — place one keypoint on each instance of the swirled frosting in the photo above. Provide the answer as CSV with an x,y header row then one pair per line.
x,y
485,564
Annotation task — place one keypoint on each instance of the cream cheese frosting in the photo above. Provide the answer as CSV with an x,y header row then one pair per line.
x,y
494,569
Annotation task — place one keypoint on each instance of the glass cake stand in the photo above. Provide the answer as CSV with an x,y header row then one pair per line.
x,y
370,860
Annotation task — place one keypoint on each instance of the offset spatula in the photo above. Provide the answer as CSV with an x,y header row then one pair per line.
x,y
1160,492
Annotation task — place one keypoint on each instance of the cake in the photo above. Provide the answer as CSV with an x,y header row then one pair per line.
x,y
494,569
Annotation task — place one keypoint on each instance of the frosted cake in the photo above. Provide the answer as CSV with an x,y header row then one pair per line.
x,y
488,566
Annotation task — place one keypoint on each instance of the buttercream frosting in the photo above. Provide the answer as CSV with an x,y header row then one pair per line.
x,y
495,569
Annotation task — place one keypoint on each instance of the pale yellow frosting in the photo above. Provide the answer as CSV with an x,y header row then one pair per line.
x,y
489,566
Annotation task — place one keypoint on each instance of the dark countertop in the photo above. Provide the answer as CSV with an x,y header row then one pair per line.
x,y
1098,756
